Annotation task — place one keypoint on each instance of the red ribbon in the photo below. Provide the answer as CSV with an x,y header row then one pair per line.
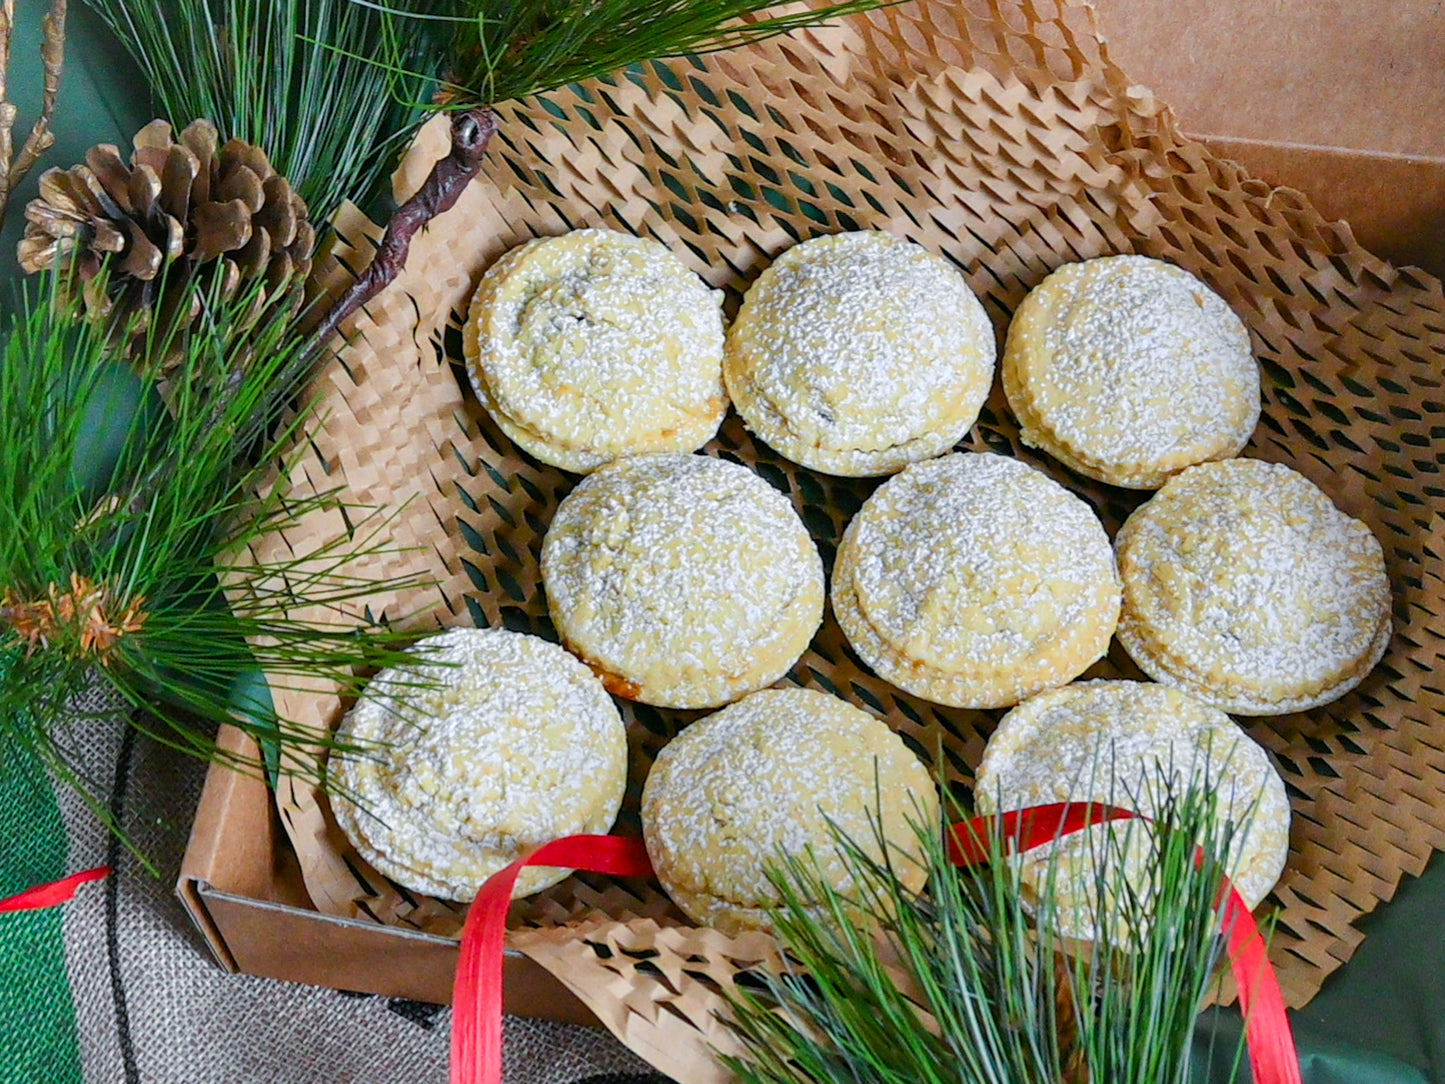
x,y
1272,1054
477,993
54,894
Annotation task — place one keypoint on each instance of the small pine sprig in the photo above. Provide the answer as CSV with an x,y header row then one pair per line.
x,y
967,982
499,51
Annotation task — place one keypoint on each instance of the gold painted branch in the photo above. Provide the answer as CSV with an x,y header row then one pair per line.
x,y
41,137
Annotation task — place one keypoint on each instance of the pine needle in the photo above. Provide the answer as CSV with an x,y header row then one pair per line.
x,y
498,50
966,982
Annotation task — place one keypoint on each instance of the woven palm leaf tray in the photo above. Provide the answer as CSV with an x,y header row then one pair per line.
x,y
1000,135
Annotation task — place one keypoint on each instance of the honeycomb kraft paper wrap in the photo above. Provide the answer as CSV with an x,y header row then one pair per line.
x,y
1001,136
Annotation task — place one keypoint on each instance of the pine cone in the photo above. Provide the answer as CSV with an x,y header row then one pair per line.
x,y
177,214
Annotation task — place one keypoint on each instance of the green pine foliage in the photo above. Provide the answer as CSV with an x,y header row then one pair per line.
x,y
141,501
966,982
297,78
498,50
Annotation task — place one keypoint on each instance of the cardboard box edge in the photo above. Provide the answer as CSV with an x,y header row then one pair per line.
x,y
226,921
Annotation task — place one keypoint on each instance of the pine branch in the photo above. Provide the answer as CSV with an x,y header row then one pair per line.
x,y
499,50
967,982
108,557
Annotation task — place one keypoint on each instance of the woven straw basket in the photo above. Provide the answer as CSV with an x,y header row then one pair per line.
x,y
998,134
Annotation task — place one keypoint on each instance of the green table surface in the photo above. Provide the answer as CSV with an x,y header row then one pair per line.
x,y
1379,1020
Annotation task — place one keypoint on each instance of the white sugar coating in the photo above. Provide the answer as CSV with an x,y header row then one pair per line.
x,y
595,345
493,744
763,778
858,353
1127,743
1245,585
1129,369
975,580
682,580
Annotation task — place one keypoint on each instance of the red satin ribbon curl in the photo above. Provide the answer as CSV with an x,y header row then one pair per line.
x,y
52,895
477,994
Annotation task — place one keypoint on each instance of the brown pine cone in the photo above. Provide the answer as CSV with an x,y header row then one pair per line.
x,y
179,213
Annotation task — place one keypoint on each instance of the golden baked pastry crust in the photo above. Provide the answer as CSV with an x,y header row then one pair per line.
x,y
594,345
975,580
494,744
1117,742
682,580
1128,369
763,778
1246,586
858,353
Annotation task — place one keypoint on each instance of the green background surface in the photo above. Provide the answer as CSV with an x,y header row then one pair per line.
x,y
1379,1020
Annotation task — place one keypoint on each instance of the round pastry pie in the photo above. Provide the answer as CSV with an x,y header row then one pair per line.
x,y
1245,585
595,345
493,744
858,353
764,778
683,581
1128,370
975,580
1135,745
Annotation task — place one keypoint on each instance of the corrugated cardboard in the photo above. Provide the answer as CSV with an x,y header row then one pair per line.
x,y
1341,99
996,133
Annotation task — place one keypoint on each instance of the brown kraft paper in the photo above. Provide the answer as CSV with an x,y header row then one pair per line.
x,y
999,135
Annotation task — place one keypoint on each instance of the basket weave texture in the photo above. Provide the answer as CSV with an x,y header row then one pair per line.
x,y
999,135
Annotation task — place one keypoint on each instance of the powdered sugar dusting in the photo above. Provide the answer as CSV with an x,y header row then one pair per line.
x,y
686,577
1246,585
495,744
857,353
978,568
1130,369
597,344
762,778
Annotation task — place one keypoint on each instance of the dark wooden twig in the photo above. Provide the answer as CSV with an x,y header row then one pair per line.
x,y
472,130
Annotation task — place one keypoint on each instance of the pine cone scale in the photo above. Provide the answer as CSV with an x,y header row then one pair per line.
x,y
112,173
281,214
221,228
56,193
107,238
143,190
178,181
56,222
245,186
142,256
95,200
